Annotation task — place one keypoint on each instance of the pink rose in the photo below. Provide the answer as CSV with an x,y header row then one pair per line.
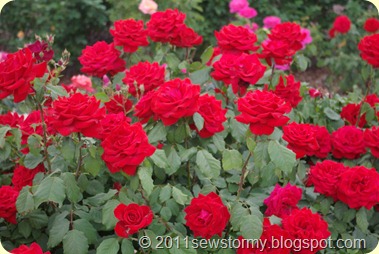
x,y
271,21
237,5
82,82
308,38
148,6
248,12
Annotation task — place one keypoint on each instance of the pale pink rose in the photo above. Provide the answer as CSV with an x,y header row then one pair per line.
x,y
271,21
184,71
148,6
106,81
237,5
82,82
3,56
285,67
308,38
253,28
248,12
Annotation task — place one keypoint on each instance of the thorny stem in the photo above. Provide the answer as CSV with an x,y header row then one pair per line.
x,y
243,173
80,157
44,129
272,73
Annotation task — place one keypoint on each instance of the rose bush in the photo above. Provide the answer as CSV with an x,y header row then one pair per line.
x,y
175,148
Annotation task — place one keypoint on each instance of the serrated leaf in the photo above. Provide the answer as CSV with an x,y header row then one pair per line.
x,y
58,230
108,246
87,228
165,193
219,142
68,149
166,213
108,219
72,189
252,227
281,156
3,132
25,201
207,55
75,242
237,213
301,62
208,165
238,130
361,218
179,196
145,176
24,228
174,162
199,121
231,159
50,189
160,159
127,247
56,91
331,114
31,161
158,133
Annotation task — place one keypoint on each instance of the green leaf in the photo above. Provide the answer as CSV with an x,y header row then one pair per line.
x,y
108,219
199,121
166,213
87,228
207,55
72,189
127,247
301,62
92,165
219,142
281,156
165,193
56,91
103,97
237,213
100,198
37,218
24,228
238,130
331,114
174,162
158,133
201,76
25,201
160,159
108,246
75,242
3,132
145,176
50,189
179,196
251,144
208,165
172,61
251,227
34,144
232,159
58,230
362,221
31,161
68,149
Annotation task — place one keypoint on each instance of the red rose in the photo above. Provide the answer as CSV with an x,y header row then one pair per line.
x,y
118,104
8,198
314,93
216,52
369,47
132,218
301,139
325,177
278,51
214,116
186,38
305,225
41,51
236,38
77,113
372,99
272,234
111,122
129,34
23,176
32,124
342,24
175,99
33,249
143,109
100,59
371,139
150,75
17,72
347,142
283,200
163,25
290,91
206,215
371,25
359,187
351,112
125,148
332,32
263,111
289,32
12,119
238,70
324,141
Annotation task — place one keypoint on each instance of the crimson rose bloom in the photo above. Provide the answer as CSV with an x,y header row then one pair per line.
x,y
77,113
324,141
23,176
290,91
281,52
8,197
17,72
325,176
351,112
206,215
132,218
372,99
175,99
304,224
236,38
369,47
129,34
164,25
111,122
347,142
13,119
371,139
289,32
371,25
270,232
214,116
125,148
41,48
150,75
143,109
263,111
186,37
33,249
342,24
301,139
283,200
359,187
100,59
118,104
